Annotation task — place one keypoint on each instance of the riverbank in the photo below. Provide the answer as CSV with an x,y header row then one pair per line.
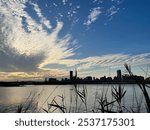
x,y
21,83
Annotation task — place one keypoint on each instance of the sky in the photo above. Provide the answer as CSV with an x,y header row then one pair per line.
x,y
48,38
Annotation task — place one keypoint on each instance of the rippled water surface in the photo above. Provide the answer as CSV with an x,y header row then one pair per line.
x,y
64,95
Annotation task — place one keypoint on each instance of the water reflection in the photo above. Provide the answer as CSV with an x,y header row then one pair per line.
x,y
65,95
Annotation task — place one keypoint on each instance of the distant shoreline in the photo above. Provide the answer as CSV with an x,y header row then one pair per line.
x,y
22,83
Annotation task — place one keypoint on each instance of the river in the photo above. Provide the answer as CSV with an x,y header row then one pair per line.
x,y
45,98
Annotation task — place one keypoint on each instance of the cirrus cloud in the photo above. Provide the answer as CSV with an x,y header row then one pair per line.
x,y
28,47
93,16
112,60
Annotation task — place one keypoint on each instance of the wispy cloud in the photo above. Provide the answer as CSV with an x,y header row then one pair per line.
x,y
64,1
35,75
94,66
43,20
113,10
113,60
93,16
28,47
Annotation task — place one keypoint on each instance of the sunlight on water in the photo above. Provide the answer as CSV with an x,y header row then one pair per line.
x,y
65,95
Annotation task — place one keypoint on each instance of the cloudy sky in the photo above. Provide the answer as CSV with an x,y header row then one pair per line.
x,y
41,38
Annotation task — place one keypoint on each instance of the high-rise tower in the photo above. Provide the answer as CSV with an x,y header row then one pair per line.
x,y
119,75
76,74
71,75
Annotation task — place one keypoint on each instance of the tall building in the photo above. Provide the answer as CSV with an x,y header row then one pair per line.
x,y
76,74
71,75
119,75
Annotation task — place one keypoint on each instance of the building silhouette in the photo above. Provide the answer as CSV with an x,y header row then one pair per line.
x,y
119,75
71,75
76,74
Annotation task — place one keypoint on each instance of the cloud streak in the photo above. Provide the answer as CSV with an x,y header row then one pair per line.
x,y
44,21
94,66
28,47
113,60
93,16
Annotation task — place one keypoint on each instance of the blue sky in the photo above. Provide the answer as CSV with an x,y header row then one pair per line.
x,y
42,38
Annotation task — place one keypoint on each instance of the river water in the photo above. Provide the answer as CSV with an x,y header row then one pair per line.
x,y
45,98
